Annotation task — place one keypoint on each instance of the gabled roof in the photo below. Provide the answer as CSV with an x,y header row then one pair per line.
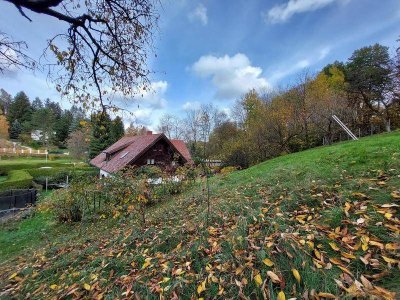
x,y
125,151
182,149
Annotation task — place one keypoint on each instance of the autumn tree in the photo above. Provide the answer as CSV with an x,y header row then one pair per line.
x,y
369,72
78,144
104,50
5,101
3,127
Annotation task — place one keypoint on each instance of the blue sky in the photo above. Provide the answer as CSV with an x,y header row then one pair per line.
x,y
215,51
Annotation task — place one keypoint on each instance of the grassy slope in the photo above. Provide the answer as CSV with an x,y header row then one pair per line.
x,y
287,209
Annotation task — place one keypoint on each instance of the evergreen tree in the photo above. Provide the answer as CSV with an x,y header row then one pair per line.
x,y
44,120
15,130
117,129
37,104
100,134
62,128
20,109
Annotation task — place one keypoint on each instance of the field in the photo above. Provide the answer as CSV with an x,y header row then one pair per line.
x,y
318,224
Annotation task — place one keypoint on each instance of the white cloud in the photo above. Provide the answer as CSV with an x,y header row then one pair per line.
x,y
191,105
289,70
232,76
199,14
147,106
324,52
283,12
153,95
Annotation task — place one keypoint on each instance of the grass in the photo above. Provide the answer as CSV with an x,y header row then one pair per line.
x,y
289,209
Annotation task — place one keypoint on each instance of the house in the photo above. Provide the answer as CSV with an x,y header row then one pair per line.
x,y
37,135
141,150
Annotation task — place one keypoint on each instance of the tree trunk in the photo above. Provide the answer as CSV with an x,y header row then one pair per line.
x,y
387,125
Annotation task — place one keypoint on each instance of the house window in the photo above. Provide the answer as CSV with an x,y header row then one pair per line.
x,y
150,161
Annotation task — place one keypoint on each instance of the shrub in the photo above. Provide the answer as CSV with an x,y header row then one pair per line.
x,y
17,179
67,206
227,170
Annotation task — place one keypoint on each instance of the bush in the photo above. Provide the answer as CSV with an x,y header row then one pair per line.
x,y
67,206
227,170
17,179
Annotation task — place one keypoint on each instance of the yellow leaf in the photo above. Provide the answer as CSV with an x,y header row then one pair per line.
x,y
388,216
281,296
345,270
317,254
201,287
296,275
165,279
133,264
327,295
179,272
274,277
334,246
390,260
258,279
374,243
347,255
310,244
54,286
146,264
268,262
86,286
392,246
13,275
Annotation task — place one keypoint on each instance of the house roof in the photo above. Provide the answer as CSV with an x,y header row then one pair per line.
x,y
126,150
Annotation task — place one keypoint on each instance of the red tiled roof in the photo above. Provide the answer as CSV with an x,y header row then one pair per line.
x,y
127,149
182,149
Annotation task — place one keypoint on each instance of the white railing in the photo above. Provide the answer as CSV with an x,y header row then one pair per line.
x,y
22,151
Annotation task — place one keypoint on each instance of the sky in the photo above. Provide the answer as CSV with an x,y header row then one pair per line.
x,y
214,51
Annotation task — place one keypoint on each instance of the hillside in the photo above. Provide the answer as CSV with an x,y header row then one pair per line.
x,y
318,224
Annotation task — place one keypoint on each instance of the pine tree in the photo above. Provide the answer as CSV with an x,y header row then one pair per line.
x,y
117,129
15,130
20,109
100,134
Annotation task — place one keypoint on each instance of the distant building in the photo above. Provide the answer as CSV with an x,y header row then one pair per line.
x,y
141,150
37,135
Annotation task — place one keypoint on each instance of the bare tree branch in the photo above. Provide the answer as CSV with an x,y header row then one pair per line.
x,y
108,42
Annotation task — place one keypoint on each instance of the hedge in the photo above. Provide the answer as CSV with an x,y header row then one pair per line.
x,y
55,171
6,168
17,179
60,174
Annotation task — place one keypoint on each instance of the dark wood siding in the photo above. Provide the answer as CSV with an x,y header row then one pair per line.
x,y
162,154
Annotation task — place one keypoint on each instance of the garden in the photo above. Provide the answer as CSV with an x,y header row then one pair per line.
x,y
27,172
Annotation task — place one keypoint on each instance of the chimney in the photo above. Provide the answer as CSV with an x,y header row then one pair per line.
x,y
149,132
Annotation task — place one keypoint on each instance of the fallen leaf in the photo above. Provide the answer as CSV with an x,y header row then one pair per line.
x,y
273,276
296,275
258,279
268,262
281,296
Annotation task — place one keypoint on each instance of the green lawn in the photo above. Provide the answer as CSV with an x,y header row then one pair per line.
x,y
329,213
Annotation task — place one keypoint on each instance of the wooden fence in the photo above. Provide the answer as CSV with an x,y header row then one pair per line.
x,y
22,152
